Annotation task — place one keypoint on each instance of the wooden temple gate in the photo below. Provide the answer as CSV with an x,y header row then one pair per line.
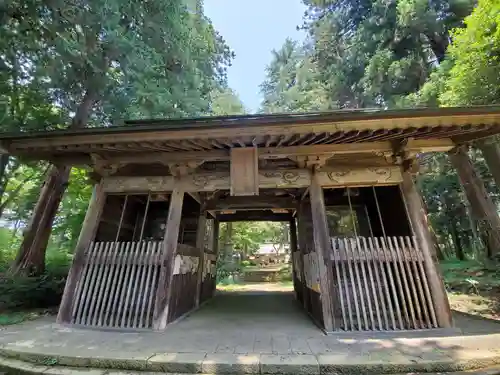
x,y
363,257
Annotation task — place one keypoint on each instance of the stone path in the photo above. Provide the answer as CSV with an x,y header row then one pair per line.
x,y
259,332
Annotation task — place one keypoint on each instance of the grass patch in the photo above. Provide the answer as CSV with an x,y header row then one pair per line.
x,y
15,317
473,287
471,276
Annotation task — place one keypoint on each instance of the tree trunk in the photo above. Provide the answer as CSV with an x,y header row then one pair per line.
x,y
4,160
438,44
457,243
482,206
436,248
31,255
491,153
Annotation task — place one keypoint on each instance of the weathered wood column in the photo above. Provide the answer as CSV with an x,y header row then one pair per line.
x,y
302,241
293,249
87,235
200,245
418,217
324,250
169,249
215,247
482,206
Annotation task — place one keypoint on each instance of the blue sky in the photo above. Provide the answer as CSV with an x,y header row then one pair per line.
x,y
253,28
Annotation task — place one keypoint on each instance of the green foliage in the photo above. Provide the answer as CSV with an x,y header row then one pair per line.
x,y
475,75
23,292
292,83
225,101
285,274
248,263
373,53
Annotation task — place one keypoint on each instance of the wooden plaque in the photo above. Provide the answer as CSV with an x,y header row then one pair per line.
x,y
244,171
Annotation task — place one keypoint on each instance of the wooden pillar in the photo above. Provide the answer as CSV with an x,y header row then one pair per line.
x,y
87,235
418,217
302,241
200,245
324,250
167,260
215,249
293,249
482,206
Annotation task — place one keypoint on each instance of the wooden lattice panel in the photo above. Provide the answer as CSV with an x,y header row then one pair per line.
x,y
118,285
381,284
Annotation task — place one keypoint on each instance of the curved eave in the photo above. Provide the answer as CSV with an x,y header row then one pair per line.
x,y
221,133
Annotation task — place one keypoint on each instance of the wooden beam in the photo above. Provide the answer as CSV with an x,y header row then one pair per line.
x,y
254,216
324,250
258,202
268,179
164,291
418,218
196,196
87,234
317,152
429,145
244,171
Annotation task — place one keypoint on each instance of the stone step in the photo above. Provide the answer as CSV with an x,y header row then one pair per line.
x,y
19,362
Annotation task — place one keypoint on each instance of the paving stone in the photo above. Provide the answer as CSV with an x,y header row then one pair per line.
x,y
263,345
381,362
288,364
281,345
74,371
299,346
21,367
317,346
244,348
219,363
177,362
225,348
472,359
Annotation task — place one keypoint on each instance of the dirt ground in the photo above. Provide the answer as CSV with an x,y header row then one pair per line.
x,y
484,304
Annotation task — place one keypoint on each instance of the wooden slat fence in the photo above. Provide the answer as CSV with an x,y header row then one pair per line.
x,y
381,284
118,285
184,279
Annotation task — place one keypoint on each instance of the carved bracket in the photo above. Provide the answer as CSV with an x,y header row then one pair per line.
x,y
105,167
311,161
184,168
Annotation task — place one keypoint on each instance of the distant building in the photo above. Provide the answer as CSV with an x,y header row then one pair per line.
x,y
272,248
